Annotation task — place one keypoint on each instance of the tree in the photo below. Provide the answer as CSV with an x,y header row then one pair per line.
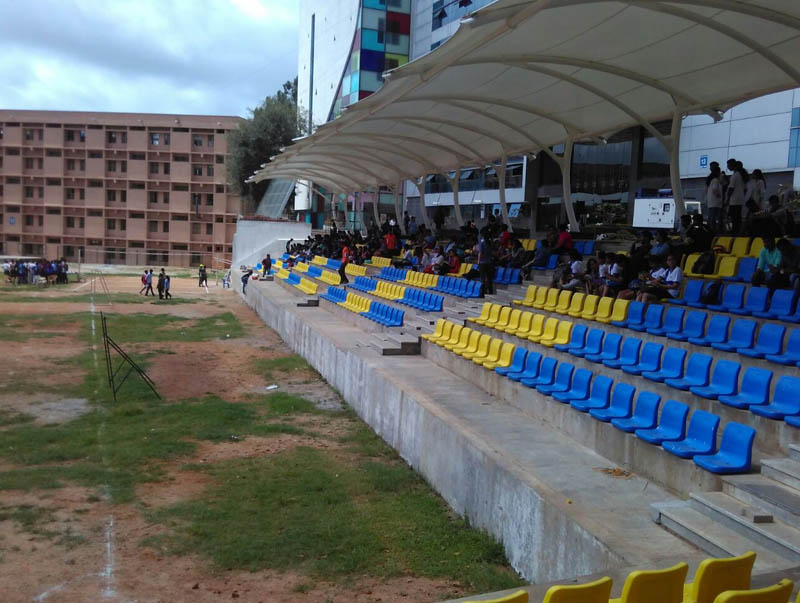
x,y
269,128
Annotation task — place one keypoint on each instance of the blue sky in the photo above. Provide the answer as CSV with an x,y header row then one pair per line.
x,y
155,56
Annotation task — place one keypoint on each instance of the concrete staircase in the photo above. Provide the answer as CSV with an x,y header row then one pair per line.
x,y
395,344
758,512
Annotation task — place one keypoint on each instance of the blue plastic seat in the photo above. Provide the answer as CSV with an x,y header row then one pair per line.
x,y
499,275
755,304
717,331
561,383
742,334
693,327
724,381
701,436
697,371
692,293
744,272
635,315
579,389
732,299
671,367
576,341
794,421
735,451
579,246
652,319
531,370
649,361
754,390
781,304
673,321
785,402
644,415
629,354
671,425
588,247
474,289
517,363
514,276
792,354
770,341
546,374
593,345
610,350
791,316
599,397
552,262
621,406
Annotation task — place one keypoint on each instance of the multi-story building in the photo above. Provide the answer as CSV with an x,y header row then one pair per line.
x,y
116,188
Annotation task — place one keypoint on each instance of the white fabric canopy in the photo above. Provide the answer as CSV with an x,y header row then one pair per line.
x,y
523,75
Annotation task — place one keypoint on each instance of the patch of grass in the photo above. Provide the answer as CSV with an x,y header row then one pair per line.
x,y
282,403
272,368
306,510
139,328
34,520
8,417
363,441
35,326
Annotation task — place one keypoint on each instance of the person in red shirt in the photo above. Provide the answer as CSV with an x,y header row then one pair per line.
x,y
453,261
505,237
564,241
391,241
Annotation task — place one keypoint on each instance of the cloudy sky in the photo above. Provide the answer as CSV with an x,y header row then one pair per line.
x,y
155,56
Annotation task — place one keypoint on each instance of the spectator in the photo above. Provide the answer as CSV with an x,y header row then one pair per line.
x,y
616,279
412,228
266,265
736,191
245,279
767,270
782,216
486,264
757,188
714,195
665,283
789,267
700,235
660,249
453,262
167,283
564,240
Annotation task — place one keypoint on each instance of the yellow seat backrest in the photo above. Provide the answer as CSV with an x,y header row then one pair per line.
x,y
483,345
740,246
530,294
592,592
563,300
506,354
550,326
439,331
461,339
715,576
604,307
576,303
524,323
487,306
655,586
502,320
590,306
494,313
537,324
541,297
777,593
564,331
493,352
513,320
755,247
453,334
724,242
728,264
520,596
620,311
688,264
472,342
552,299
301,267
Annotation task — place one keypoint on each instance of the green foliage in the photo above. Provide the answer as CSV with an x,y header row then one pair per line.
x,y
270,127
115,298
271,367
34,520
281,403
137,328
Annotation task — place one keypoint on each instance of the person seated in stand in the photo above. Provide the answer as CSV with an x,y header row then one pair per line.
x,y
660,249
590,275
789,267
617,276
564,241
700,235
517,259
639,257
782,216
663,283
541,256
405,259
436,259
767,270
453,262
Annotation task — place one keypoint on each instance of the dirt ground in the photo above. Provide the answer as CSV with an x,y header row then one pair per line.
x,y
99,555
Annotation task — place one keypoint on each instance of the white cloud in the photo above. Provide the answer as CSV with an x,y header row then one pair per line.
x,y
183,56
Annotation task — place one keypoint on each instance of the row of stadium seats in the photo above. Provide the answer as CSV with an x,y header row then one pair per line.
x,y
653,362
422,300
507,276
725,580
381,262
582,246
445,284
326,276
781,306
329,262
727,267
591,393
743,246
305,285
375,311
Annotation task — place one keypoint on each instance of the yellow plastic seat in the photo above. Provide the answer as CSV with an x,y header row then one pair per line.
x,y
724,242
740,246
355,270
777,593
563,301
484,316
620,310
755,247
506,355
590,307
530,296
451,337
301,267
688,264
441,324
562,335
502,319
433,280
466,342
576,305
492,354
654,586
552,300
513,322
524,325
591,592
728,265
494,312
715,576
541,297
482,349
537,327
604,307
521,596
548,332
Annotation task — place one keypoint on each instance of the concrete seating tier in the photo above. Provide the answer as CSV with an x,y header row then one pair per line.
x,y
415,298
739,299
294,279
383,314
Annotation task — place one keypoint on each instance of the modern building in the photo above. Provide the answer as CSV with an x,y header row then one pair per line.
x,y
116,188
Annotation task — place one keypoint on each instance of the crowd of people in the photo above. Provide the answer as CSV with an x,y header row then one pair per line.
x,y
163,282
32,272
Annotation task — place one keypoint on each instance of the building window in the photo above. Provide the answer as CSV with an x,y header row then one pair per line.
x,y
123,224
166,168
111,195
123,166
53,153
209,199
95,155
70,222
180,158
95,213
29,192
152,226
153,197
137,156
137,215
195,228
69,135
165,138
153,167
82,194
111,165
165,197
28,220
197,169
137,185
70,165
794,139
111,224
155,138
111,138
95,184
82,167
209,170
29,163
210,141
209,229
219,159
123,196
198,140
165,226
196,199
70,193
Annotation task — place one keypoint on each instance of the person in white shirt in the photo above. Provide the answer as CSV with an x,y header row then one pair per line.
x,y
666,283
757,189
714,195
736,191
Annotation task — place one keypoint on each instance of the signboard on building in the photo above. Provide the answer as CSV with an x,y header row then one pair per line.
x,y
704,161
654,213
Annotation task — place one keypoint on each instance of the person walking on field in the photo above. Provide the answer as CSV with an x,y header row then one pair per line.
x,y
160,285
245,278
167,294
144,282
203,277
149,283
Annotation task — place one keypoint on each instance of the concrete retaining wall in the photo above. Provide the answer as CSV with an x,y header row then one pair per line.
x,y
255,238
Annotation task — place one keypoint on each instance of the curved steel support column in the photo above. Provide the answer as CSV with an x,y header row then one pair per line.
x,y
501,174
398,210
375,202
421,188
454,185
566,177
674,162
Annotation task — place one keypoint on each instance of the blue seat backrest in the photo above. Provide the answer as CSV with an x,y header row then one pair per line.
x,y
673,416
514,276
703,427
693,290
652,317
695,321
757,298
782,302
719,323
635,313
743,332
622,398
674,316
647,405
733,296
747,266
737,442
579,246
771,335
588,248
552,262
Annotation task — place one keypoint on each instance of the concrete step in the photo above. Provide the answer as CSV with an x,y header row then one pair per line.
x,y
794,452
785,471
775,535
385,345
782,501
408,343
711,537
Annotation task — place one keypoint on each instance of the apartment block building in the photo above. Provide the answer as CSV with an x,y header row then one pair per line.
x,y
116,188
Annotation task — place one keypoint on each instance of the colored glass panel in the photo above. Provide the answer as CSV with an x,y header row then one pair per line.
x,y
396,43
398,23
372,40
370,80
394,60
